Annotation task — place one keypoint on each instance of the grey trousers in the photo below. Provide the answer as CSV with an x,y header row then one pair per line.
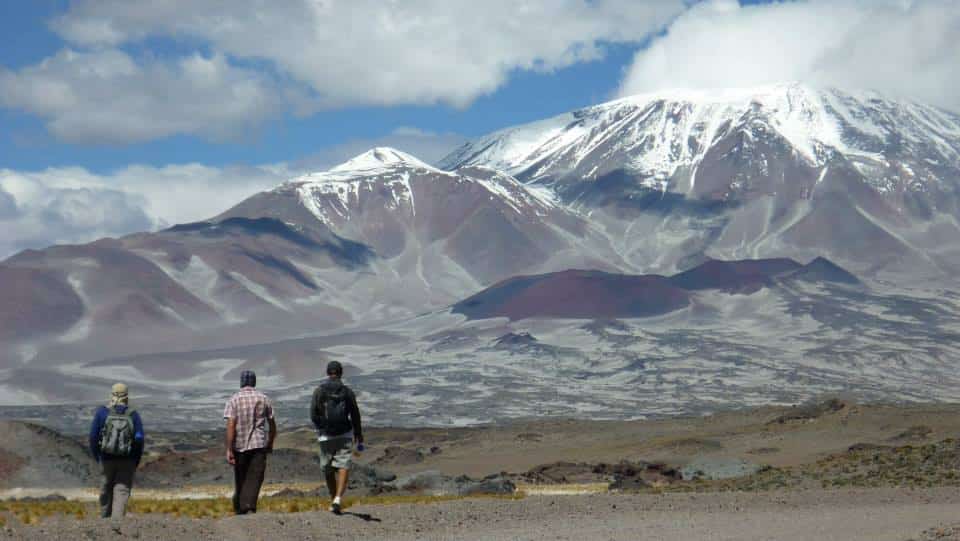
x,y
117,482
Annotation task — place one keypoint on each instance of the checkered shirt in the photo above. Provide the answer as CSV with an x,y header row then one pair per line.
x,y
251,408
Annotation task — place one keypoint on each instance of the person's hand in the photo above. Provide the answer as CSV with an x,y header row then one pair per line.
x,y
231,459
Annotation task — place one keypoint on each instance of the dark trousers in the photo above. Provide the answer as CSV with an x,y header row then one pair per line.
x,y
117,482
248,475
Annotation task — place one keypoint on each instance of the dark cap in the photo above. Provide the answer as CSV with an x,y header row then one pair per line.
x,y
248,378
334,368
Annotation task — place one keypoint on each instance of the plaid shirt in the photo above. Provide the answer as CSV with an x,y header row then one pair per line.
x,y
251,408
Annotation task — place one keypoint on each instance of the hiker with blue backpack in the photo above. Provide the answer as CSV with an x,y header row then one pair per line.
x,y
116,442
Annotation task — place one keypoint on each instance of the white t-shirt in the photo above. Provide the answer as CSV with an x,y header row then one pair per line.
x,y
324,437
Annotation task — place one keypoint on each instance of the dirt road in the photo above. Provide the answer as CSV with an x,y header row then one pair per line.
x,y
875,515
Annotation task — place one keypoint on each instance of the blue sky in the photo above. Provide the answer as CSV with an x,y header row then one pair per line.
x,y
527,96
124,115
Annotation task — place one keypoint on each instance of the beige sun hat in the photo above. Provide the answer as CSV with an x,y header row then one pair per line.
x,y
119,394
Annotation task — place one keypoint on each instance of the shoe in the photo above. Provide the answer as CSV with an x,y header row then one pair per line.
x,y
335,508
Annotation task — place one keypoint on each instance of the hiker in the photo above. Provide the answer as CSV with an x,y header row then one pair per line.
x,y
251,431
116,442
335,413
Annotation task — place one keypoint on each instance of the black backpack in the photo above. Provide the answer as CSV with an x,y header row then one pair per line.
x,y
336,407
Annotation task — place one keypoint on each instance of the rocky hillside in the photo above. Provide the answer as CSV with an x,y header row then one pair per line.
x,y
757,172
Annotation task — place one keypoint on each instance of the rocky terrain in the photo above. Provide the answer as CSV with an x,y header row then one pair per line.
x,y
843,469
825,444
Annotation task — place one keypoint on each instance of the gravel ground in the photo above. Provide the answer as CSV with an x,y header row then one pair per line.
x,y
875,515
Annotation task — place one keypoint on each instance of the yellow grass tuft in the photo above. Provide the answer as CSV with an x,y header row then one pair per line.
x,y
210,508
34,512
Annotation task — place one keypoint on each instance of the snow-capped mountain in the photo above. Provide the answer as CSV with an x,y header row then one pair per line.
x,y
784,170
384,243
450,232
381,236
662,135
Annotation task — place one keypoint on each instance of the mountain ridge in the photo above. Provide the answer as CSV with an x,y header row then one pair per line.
x,y
387,241
810,118
587,294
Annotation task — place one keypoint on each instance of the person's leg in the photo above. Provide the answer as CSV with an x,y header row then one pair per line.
x,y
342,462
330,474
123,483
253,480
342,476
239,474
106,490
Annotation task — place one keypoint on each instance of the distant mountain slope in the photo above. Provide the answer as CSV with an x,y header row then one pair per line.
x,y
454,231
734,275
599,295
784,170
380,237
179,284
665,137
575,295
669,184
33,456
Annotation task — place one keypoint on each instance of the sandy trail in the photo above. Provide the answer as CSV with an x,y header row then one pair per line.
x,y
875,515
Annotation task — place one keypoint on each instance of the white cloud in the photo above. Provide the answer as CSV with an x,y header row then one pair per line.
x,y
374,52
266,54
108,96
8,206
46,216
900,48
72,204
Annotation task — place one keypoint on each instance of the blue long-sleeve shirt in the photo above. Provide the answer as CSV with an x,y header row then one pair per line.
x,y
100,418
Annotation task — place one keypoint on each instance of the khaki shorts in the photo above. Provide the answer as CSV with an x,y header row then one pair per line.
x,y
336,453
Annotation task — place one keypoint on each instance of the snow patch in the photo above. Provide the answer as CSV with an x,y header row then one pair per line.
x,y
657,134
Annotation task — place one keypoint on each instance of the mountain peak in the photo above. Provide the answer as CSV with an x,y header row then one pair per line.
x,y
724,94
660,134
378,158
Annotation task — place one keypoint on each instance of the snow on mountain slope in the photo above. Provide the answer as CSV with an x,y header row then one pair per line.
x,y
453,231
653,184
656,135
333,195
378,158
785,170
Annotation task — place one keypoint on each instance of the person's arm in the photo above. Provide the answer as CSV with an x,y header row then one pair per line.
x,y
273,427
231,437
273,433
317,414
138,437
95,427
355,418
231,418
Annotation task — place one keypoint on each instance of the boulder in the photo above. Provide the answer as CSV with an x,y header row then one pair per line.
x,y
435,483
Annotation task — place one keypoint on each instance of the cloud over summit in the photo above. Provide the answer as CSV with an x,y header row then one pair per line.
x,y
900,48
